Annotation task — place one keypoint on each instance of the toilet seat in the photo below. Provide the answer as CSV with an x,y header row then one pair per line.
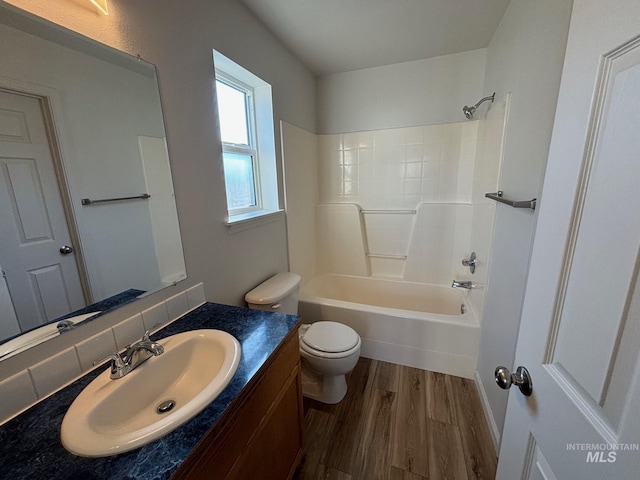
x,y
329,340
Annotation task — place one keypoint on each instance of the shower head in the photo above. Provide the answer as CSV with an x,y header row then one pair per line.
x,y
469,111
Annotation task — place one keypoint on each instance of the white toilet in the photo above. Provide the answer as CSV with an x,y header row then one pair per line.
x,y
329,350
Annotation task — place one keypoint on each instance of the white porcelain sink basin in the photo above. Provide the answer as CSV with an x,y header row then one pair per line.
x,y
115,416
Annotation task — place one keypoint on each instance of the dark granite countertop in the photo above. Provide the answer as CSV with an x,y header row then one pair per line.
x,y
30,443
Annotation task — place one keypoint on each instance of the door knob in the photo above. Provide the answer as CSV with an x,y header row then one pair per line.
x,y
521,379
66,249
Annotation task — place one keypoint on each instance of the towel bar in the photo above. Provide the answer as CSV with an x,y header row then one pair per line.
x,y
497,196
88,201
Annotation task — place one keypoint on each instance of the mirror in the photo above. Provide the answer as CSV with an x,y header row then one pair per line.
x,y
88,219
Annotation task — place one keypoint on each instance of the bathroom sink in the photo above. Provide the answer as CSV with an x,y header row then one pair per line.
x,y
114,416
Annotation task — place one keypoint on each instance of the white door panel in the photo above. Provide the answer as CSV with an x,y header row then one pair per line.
x,y
43,283
580,327
27,199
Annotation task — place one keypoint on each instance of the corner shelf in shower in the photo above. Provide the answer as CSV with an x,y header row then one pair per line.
x,y
498,197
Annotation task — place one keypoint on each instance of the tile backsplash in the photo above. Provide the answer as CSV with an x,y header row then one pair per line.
x,y
27,387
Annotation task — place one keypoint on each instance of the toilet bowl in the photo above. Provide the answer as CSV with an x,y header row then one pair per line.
x,y
329,350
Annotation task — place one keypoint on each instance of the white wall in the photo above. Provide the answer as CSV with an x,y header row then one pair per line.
x,y
525,58
179,40
422,92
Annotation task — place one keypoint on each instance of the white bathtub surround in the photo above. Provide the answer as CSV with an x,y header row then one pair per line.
x,y
38,381
387,234
420,191
378,194
422,245
440,239
341,240
407,323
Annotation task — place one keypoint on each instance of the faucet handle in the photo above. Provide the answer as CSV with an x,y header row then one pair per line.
x,y
116,359
119,367
145,337
472,262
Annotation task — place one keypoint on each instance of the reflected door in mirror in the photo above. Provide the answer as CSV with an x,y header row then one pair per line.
x,y
42,282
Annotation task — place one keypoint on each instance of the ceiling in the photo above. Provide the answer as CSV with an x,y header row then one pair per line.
x,y
334,36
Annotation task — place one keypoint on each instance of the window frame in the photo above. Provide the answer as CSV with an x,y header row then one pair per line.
x,y
266,171
251,149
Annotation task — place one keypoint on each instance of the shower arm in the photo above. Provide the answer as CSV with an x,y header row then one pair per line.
x,y
469,111
490,97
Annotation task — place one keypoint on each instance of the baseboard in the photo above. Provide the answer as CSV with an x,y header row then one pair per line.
x,y
488,414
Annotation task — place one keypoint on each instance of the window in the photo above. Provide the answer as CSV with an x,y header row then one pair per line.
x,y
245,116
235,111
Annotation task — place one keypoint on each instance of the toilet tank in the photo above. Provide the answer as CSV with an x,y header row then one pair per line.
x,y
277,294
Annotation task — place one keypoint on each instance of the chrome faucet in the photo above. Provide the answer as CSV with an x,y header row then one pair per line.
x,y
467,285
132,357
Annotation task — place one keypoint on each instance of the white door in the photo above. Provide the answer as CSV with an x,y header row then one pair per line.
x,y
43,282
580,331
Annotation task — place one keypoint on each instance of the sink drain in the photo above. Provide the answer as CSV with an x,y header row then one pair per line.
x,y
166,406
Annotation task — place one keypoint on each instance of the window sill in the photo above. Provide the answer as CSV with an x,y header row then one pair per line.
x,y
239,223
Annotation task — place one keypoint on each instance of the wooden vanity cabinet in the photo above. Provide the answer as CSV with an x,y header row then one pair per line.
x,y
260,435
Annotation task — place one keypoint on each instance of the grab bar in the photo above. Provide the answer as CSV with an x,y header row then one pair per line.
x,y
497,196
88,201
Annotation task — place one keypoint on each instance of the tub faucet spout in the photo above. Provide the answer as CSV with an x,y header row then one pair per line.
x,y
458,284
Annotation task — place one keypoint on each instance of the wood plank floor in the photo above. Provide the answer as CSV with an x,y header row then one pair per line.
x,y
398,423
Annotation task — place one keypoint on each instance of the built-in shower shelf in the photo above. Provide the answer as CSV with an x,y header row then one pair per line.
x,y
498,197
386,255
388,212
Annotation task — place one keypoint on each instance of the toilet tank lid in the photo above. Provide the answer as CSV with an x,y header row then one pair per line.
x,y
274,289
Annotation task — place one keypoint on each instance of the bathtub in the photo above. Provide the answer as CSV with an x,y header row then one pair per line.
x,y
420,325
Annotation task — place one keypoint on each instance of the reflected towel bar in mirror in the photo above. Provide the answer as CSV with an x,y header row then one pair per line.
x,y
88,201
498,197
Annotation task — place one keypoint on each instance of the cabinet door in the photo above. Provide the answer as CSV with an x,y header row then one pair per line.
x,y
274,450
